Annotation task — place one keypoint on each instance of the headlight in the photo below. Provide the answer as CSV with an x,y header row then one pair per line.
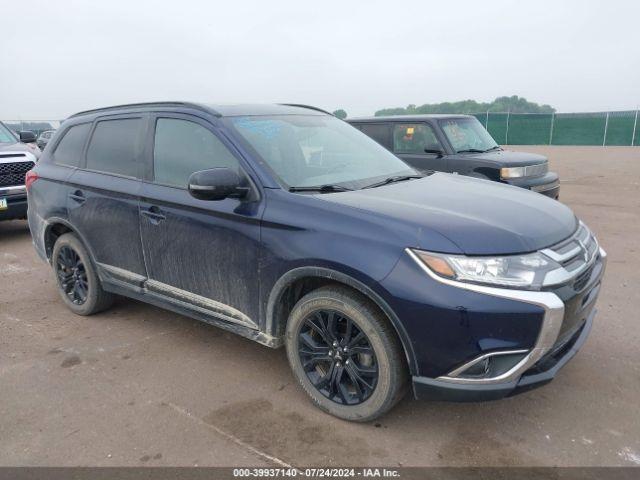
x,y
526,171
513,172
519,271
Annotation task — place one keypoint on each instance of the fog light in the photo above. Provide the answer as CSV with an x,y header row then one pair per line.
x,y
480,369
491,366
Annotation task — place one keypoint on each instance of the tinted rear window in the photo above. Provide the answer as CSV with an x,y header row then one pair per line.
x,y
69,149
115,146
380,132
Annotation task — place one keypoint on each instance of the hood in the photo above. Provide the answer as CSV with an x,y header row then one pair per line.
x,y
479,216
11,147
20,147
508,158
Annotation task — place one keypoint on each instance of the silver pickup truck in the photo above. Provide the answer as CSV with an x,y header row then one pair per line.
x,y
16,159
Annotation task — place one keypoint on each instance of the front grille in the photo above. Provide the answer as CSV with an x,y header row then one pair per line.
x,y
536,170
13,173
582,279
576,256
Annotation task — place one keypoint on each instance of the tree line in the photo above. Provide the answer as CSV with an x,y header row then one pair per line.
x,y
513,104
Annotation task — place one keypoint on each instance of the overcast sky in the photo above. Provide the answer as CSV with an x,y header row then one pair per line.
x,y
59,57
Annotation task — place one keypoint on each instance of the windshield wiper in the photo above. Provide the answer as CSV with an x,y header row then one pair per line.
x,y
397,178
321,189
497,147
471,150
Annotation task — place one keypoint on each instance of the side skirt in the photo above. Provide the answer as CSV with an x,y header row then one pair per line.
x,y
137,289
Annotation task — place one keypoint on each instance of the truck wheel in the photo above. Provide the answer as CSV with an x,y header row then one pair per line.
x,y
78,283
345,354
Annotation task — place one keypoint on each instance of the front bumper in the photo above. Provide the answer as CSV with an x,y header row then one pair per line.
x,y
565,327
540,374
548,184
16,204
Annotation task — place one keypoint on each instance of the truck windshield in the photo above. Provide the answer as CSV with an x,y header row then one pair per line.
x,y
314,151
6,136
467,134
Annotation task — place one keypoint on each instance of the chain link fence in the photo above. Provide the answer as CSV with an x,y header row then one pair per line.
x,y
596,128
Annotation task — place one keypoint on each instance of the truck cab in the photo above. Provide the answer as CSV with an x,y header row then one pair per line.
x,y
459,144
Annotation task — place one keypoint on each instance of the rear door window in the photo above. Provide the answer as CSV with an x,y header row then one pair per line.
x,y
116,146
69,150
414,138
182,147
380,132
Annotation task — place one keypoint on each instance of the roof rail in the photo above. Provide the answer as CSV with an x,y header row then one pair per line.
x,y
146,104
310,107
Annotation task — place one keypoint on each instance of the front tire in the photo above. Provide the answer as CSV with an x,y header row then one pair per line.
x,y
345,354
77,280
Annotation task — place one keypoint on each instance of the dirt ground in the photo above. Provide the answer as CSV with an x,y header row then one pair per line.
x,y
137,385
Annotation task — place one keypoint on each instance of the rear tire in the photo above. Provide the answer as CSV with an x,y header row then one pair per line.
x,y
339,345
76,277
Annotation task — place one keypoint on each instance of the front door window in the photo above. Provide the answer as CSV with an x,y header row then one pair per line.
x,y
414,138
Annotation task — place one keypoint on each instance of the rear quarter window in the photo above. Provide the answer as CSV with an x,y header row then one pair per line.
x,y
115,146
69,149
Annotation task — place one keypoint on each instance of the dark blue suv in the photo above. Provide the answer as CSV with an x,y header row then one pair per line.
x,y
286,225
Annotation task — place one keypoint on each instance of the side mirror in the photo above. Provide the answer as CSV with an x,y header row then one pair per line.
x,y
27,136
216,184
439,153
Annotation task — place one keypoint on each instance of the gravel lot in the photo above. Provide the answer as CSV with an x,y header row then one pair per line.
x,y
137,385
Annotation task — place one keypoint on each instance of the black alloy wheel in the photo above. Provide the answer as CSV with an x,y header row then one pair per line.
x,y
72,275
337,357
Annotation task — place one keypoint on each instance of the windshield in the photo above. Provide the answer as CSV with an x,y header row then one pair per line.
x,y
313,150
467,134
6,136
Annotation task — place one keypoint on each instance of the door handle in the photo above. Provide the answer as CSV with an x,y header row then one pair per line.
x,y
77,197
154,214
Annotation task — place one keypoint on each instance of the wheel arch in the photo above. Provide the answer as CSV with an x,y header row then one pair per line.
x,y
294,284
56,227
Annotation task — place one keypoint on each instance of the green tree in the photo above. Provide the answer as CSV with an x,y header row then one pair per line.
x,y
513,104
340,113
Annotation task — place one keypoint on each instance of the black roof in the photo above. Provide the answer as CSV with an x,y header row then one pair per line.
x,y
218,110
409,118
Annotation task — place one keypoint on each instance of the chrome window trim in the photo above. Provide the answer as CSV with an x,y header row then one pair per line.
x,y
551,322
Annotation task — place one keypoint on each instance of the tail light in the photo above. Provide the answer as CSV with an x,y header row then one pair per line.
x,y
29,178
